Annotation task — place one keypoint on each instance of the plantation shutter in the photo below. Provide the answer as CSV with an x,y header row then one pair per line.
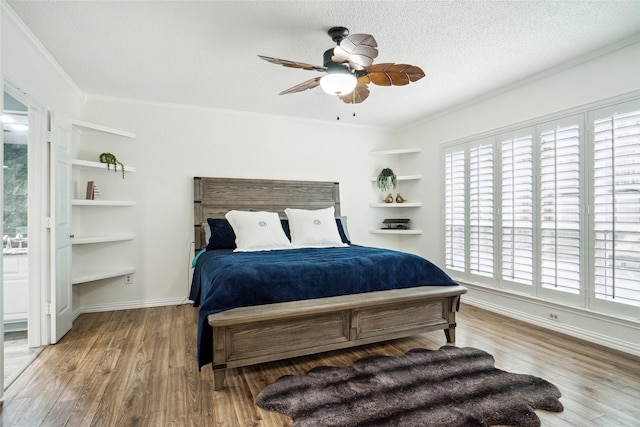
x,y
517,209
481,210
616,207
560,208
454,210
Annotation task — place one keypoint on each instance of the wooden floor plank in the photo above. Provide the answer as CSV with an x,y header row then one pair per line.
x,y
138,367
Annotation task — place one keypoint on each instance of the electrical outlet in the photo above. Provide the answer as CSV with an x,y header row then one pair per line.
x,y
128,279
553,316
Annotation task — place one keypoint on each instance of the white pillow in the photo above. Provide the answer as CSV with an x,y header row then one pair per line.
x,y
314,228
257,231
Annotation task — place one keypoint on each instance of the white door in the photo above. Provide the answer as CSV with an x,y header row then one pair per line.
x,y
61,311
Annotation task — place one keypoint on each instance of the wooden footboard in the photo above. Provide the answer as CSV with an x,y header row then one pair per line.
x,y
250,335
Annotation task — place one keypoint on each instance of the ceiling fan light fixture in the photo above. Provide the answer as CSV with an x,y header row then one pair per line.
x,y
338,83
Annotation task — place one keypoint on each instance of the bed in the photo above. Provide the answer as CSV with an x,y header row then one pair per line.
x,y
262,306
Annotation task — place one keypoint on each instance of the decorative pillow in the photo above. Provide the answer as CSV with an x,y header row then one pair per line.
x,y
257,231
222,235
314,228
341,222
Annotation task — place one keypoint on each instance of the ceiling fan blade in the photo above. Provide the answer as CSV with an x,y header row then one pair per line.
x,y
309,84
390,74
293,64
359,94
359,50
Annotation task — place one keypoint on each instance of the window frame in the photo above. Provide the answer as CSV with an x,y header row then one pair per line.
x,y
594,303
583,117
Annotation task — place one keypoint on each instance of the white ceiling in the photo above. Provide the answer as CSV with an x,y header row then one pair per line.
x,y
204,53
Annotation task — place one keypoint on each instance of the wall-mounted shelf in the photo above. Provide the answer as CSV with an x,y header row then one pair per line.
x,y
401,177
395,151
84,277
84,240
98,165
384,231
83,202
92,127
396,205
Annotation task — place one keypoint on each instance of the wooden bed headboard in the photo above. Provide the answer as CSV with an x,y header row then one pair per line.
x,y
214,197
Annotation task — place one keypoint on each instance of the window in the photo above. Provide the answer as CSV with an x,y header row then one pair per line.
x,y
560,208
616,207
455,192
517,209
552,209
481,210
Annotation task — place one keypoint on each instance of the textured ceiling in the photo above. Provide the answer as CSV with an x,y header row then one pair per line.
x,y
204,53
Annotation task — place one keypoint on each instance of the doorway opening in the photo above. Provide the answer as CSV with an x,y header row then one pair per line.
x,y
19,350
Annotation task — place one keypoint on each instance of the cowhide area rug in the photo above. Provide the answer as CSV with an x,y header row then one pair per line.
x,y
447,387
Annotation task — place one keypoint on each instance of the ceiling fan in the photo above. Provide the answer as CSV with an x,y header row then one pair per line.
x,y
349,68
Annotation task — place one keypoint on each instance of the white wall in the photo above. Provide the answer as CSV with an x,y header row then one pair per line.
x,y
611,74
175,143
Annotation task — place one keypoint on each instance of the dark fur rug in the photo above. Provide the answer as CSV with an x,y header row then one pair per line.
x,y
447,387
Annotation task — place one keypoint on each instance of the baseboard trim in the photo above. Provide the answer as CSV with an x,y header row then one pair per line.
x,y
129,305
570,330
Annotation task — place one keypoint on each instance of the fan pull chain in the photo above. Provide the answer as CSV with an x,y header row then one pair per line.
x,y
353,100
338,105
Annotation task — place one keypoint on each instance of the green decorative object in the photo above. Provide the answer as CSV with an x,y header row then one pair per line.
x,y
387,180
110,159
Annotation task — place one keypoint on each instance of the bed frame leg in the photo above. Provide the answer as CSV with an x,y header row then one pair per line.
x,y
219,364
450,333
219,375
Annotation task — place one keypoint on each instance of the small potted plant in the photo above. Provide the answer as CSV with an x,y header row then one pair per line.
x,y
110,159
387,180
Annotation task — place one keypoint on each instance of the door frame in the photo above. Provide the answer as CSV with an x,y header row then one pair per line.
x,y
38,185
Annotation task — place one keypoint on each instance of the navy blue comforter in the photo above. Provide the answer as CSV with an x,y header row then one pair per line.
x,y
224,279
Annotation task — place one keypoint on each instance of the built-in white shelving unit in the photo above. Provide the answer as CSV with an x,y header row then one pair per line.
x,y
391,231
92,127
395,151
92,276
98,165
81,242
394,205
101,202
84,240
402,177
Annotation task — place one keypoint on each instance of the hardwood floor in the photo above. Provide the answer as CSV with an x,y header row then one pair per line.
x,y
138,368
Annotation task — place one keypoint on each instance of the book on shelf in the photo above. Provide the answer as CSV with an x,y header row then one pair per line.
x,y
96,193
90,190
